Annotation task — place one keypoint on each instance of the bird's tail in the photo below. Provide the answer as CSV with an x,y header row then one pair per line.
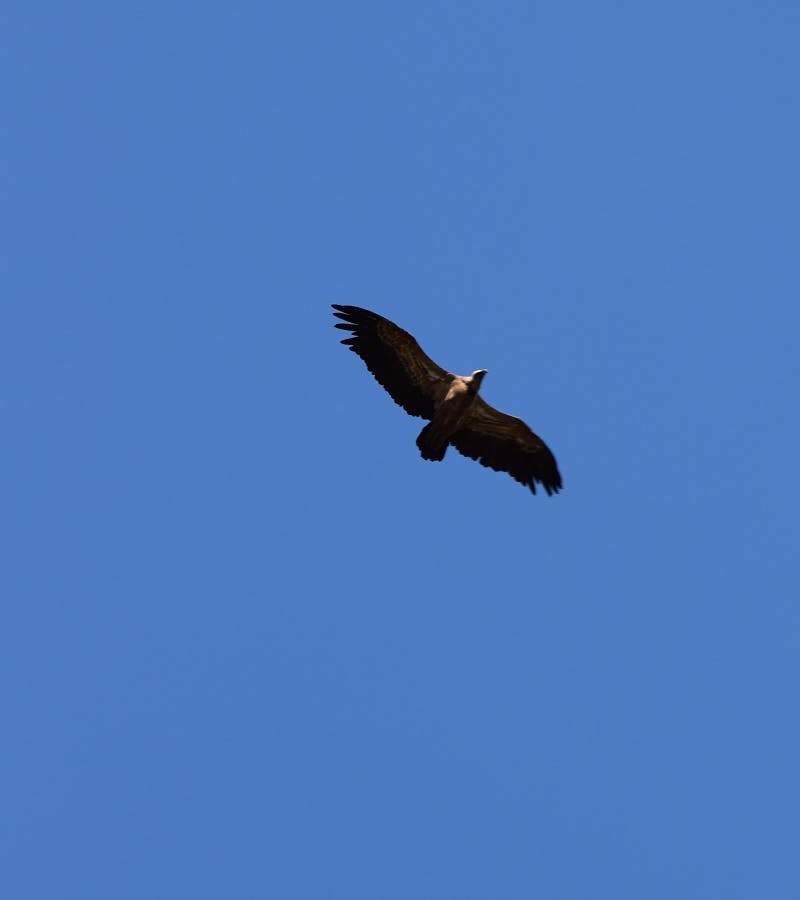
x,y
431,445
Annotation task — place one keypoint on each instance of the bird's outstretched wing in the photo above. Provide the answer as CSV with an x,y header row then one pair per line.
x,y
395,359
506,444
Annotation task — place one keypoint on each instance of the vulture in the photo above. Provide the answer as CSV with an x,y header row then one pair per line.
x,y
457,414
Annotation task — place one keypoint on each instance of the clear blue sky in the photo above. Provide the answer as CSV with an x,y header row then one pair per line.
x,y
252,646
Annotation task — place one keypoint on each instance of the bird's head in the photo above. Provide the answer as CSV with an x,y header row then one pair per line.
x,y
476,378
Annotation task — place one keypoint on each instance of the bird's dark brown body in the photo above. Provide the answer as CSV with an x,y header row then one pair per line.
x,y
452,411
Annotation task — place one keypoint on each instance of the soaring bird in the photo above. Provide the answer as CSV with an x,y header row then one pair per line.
x,y
457,414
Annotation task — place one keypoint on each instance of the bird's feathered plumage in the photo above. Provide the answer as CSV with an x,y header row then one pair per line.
x,y
394,358
459,416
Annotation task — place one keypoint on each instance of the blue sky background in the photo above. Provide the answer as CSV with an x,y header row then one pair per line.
x,y
251,644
